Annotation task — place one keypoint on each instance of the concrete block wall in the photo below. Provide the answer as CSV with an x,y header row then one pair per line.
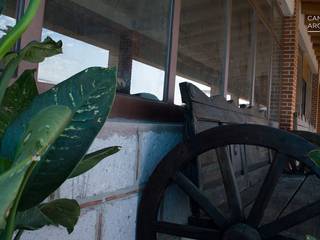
x,y
109,193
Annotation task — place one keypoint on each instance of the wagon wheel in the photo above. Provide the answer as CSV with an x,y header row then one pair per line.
x,y
239,226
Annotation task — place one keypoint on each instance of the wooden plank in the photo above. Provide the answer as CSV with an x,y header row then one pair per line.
x,y
172,54
190,232
310,8
230,183
241,173
266,190
192,191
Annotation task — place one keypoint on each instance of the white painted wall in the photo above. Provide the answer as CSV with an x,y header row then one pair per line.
x,y
109,193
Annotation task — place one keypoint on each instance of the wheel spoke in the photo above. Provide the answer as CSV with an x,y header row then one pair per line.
x,y
230,184
266,190
186,231
192,191
292,197
303,214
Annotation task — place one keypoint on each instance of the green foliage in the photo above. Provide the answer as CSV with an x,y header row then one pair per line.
x,y
10,183
7,75
32,219
34,52
41,131
4,165
92,159
315,156
8,41
44,138
310,237
17,98
64,212
89,94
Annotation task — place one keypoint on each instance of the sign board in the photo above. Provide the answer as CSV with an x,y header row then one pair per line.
x,y
313,23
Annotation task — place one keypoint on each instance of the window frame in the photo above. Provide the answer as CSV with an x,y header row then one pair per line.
x,y
164,111
259,16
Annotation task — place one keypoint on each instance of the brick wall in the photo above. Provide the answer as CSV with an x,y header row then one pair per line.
x,y
289,69
314,99
318,113
276,85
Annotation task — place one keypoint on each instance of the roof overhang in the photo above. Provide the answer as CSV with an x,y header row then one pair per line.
x,y
287,7
306,45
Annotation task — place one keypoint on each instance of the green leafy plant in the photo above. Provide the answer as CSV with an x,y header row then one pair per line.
x,y
315,156
45,138
310,237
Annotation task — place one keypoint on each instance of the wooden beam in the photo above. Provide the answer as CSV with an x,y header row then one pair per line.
x,y
315,34
310,1
311,8
172,60
315,40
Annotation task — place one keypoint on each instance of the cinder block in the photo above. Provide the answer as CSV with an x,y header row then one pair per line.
x,y
84,230
154,145
119,220
113,173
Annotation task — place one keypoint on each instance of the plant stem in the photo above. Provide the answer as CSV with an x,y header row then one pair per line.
x,y
7,42
10,227
18,235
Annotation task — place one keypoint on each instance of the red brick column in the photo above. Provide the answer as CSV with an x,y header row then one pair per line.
x,y
315,100
289,69
318,114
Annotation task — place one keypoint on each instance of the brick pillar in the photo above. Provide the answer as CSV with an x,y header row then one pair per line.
x,y
318,119
315,100
289,69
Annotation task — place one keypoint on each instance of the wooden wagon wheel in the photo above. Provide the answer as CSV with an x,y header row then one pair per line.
x,y
239,226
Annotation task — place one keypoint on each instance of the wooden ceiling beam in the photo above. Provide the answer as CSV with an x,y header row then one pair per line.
x,y
311,8
315,40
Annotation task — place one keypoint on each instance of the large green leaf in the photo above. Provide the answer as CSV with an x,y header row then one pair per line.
x,y
39,133
10,183
64,212
34,52
17,97
6,76
92,159
4,165
89,94
32,219
315,156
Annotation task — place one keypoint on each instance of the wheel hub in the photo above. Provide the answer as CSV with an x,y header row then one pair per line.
x,y
241,232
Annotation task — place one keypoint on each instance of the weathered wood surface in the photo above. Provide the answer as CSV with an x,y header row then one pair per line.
x,y
301,123
249,163
171,170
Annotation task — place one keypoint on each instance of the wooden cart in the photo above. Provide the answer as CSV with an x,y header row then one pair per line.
x,y
230,166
